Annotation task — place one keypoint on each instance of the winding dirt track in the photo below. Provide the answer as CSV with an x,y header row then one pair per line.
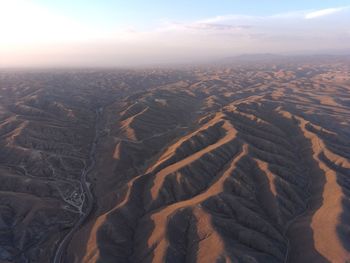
x,y
89,198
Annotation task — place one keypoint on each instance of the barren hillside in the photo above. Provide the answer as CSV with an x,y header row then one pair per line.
x,y
233,163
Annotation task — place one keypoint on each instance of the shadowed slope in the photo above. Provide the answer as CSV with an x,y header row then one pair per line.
x,y
245,163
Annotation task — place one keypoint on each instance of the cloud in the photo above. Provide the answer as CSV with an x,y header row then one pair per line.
x,y
201,27
227,18
31,34
217,27
324,12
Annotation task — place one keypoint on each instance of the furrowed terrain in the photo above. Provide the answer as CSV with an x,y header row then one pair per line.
x,y
227,163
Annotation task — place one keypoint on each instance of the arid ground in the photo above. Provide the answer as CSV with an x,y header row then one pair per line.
x,y
234,162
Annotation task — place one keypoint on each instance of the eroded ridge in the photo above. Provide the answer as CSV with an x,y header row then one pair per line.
x,y
230,163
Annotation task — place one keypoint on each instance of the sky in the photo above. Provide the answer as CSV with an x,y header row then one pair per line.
x,y
138,32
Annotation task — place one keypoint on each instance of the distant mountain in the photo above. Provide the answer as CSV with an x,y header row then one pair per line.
x,y
255,57
278,58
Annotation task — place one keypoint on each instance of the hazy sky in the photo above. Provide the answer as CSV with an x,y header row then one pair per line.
x,y
138,32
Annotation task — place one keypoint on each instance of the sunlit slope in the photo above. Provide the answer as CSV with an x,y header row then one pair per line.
x,y
244,163
258,175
